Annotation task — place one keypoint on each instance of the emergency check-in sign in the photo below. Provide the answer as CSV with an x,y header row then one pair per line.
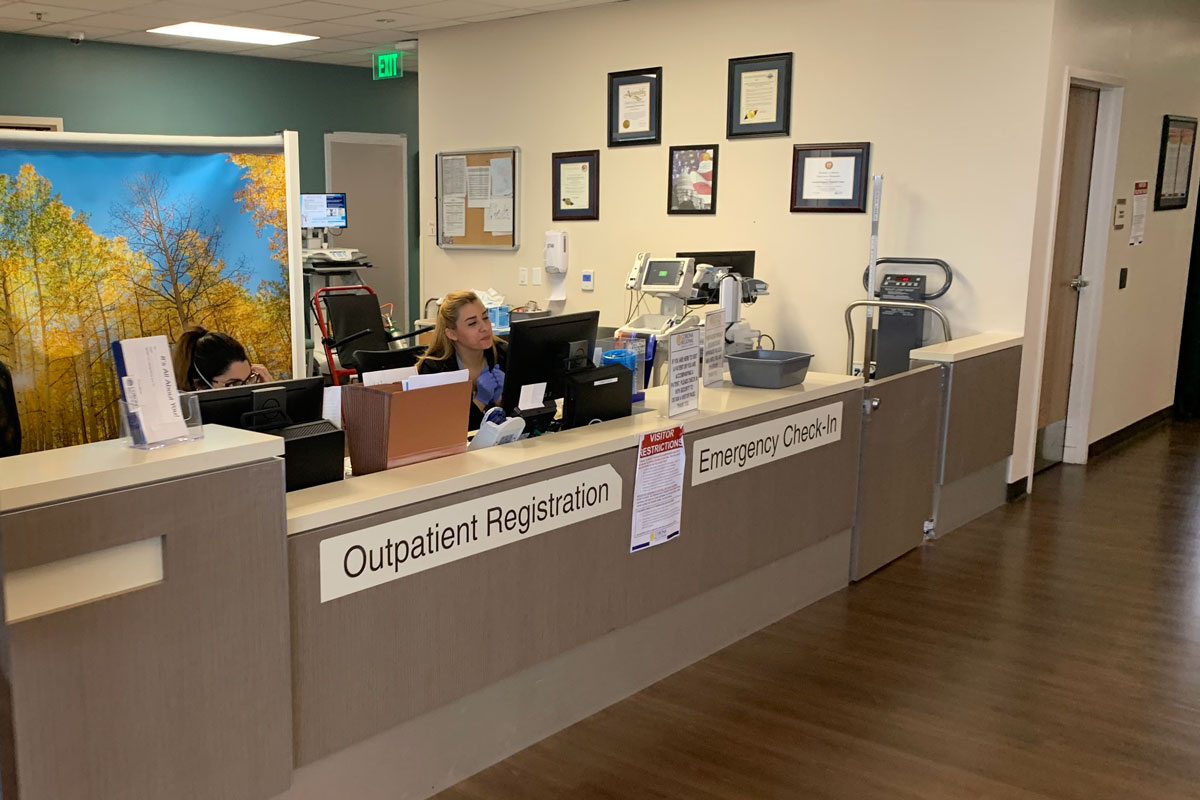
x,y
746,448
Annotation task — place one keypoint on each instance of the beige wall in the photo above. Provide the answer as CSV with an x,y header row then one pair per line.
x,y
1151,49
962,100
950,94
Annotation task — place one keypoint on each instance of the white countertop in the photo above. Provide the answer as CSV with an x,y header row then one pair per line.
x,y
52,476
331,503
967,347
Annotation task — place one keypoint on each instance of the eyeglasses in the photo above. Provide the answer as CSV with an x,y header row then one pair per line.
x,y
247,381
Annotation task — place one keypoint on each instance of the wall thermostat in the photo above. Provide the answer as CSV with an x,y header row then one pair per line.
x,y
587,280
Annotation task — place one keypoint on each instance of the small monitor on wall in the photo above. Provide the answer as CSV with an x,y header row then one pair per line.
x,y
323,210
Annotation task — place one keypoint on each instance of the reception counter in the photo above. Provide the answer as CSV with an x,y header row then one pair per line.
x,y
177,626
508,637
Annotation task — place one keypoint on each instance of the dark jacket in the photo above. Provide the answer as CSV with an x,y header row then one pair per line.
x,y
431,367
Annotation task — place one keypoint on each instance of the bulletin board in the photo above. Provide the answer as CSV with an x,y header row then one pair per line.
x,y
478,198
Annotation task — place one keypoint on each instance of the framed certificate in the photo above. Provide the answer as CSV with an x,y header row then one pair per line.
x,y
759,99
635,107
1175,162
575,185
830,177
692,180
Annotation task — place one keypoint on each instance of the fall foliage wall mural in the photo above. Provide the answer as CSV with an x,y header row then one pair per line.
x,y
101,246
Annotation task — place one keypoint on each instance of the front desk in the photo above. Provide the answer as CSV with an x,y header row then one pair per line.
x,y
405,660
391,634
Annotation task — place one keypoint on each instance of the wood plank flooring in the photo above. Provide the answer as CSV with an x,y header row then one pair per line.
x,y
1050,650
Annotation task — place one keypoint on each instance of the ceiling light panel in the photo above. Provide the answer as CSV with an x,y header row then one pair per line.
x,y
231,33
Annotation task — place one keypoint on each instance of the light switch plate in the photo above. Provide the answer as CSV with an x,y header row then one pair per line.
x,y
537,276
1120,214
523,276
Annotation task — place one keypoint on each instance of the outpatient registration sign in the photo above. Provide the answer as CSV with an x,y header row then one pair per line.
x,y
746,448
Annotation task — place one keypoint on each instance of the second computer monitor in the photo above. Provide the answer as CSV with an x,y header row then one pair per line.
x,y
234,406
323,210
740,261
545,350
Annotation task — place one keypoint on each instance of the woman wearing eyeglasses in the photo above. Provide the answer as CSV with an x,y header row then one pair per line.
x,y
206,359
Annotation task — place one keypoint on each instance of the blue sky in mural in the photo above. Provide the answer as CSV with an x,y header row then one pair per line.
x,y
92,182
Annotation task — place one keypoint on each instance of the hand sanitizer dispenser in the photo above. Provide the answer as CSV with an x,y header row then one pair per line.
x,y
556,252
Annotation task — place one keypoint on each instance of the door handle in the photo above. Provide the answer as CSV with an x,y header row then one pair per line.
x,y
1078,283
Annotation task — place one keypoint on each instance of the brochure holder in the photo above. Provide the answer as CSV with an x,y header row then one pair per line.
x,y
131,427
388,427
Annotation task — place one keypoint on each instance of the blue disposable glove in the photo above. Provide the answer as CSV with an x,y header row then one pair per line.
x,y
489,386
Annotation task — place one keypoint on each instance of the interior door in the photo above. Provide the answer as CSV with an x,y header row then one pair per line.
x,y
370,169
1066,272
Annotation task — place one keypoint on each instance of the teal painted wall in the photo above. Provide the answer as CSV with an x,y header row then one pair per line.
x,y
111,88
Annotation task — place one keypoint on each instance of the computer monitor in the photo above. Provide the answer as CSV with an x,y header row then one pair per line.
x,y
545,350
235,406
323,210
740,261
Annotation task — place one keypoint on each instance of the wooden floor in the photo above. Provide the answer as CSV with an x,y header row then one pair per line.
x,y
1048,650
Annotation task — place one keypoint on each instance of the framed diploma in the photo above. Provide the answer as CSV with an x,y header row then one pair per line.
x,y
1175,162
692,180
635,107
759,100
830,177
575,185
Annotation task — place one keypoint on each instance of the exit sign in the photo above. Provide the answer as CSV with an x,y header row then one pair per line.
x,y
388,65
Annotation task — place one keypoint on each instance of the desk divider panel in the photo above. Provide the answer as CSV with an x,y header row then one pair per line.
x,y
899,463
368,661
178,689
982,417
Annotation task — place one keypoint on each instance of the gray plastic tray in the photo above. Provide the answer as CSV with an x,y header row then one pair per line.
x,y
768,369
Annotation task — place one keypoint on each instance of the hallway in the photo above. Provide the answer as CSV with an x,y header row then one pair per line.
x,y
1050,650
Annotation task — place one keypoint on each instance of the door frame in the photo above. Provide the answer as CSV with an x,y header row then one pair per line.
x,y
398,140
1095,259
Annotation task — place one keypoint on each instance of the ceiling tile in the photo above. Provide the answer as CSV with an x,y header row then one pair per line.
x,y
144,39
435,23
315,10
455,9
205,45
129,22
380,36
392,19
175,12
534,4
331,45
326,28
263,20
95,5
512,12
385,5
13,25
49,13
65,29
574,4
241,5
282,52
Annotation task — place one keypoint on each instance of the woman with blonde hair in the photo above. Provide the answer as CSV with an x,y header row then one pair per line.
x,y
206,359
463,339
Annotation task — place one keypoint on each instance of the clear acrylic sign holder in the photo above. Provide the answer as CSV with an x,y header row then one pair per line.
x,y
131,427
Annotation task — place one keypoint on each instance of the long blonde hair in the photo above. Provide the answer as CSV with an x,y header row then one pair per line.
x,y
447,317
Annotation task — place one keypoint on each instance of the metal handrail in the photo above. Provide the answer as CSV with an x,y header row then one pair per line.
x,y
937,312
